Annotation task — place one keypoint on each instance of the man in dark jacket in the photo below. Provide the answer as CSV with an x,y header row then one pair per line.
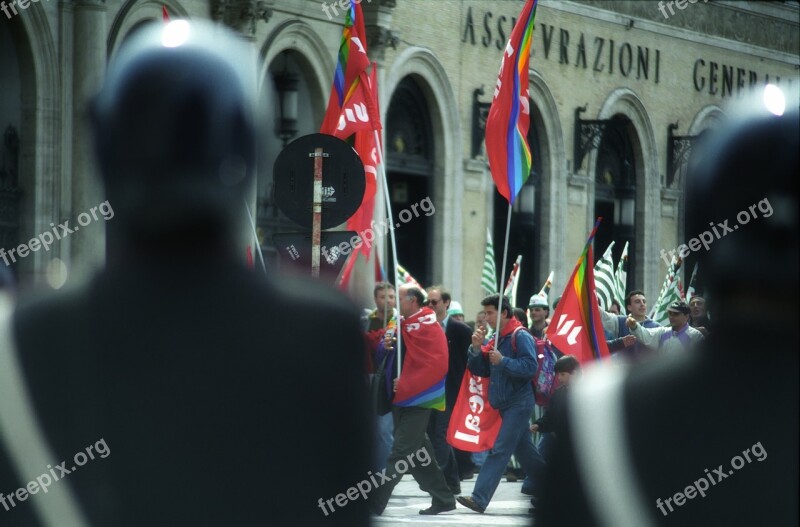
x,y
510,369
459,337
178,387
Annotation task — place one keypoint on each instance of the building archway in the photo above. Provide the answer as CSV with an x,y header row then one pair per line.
x,y
615,194
10,122
29,104
643,254
447,186
410,150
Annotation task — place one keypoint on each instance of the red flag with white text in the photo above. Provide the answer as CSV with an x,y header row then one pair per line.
x,y
576,328
474,423
352,61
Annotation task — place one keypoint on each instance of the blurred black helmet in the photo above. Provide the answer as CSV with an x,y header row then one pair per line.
x,y
174,127
747,175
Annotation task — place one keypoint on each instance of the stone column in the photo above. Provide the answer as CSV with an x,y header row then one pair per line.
x,y
88,68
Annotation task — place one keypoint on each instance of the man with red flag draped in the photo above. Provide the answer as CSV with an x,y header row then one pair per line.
x,y
418,390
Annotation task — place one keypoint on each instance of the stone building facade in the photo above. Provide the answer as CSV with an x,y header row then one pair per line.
x,y
619,90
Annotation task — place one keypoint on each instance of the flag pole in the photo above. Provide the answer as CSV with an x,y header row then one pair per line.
x,y
255,238
382,170
502,274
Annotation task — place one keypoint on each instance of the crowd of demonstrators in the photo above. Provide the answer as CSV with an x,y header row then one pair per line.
x,y
419,390
634,337
509,368
716,401
452,462
678,336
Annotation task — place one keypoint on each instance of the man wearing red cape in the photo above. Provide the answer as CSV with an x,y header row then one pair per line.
x,y
419,389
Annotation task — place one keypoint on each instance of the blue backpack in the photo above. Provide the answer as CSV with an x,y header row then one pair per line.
x,y
544,379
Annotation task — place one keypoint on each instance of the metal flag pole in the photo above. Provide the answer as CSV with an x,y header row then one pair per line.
x,y
382,170
500,285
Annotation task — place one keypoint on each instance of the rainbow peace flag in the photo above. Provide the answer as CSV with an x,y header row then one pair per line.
x,y
352,62
509,117
576,328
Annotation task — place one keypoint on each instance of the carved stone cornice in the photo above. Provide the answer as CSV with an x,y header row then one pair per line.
x,y
241,15
715,19
379,38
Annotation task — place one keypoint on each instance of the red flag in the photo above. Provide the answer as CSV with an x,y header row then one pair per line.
x,y
367,149
164,14
509,116
576,328
474,424
360,112
424,362
352,62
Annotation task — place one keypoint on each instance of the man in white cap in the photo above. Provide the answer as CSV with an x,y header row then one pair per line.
x,y
679,335
538,311
455,311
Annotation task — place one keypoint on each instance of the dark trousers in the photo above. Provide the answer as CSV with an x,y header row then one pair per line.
x,y
445,457
412,449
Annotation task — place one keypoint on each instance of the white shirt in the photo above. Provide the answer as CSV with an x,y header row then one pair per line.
x,y
666,340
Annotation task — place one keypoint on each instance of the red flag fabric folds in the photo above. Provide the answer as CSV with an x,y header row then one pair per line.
x,y
425,362
474,424
576,328
509,116
352,62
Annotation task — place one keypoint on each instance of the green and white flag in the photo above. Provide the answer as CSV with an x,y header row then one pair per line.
x,y
670,292
604,281
489,273
692,289
621,278
404,277
513,281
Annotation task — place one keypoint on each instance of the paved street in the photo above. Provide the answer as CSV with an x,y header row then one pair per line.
x,y
508,507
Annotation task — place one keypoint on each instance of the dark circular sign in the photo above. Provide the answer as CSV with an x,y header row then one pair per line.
x,y
343,180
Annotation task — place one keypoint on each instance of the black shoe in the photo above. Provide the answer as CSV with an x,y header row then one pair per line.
x,y
467,475
469,503
436,509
